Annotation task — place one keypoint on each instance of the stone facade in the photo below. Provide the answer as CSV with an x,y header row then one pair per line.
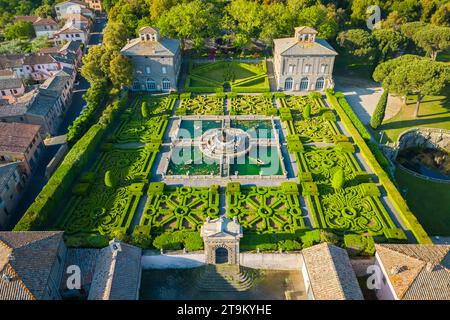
x,y
156,61
221,236
304,62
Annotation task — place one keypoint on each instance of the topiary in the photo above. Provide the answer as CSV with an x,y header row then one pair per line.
x,y
378,115
144,110
109,179
307,112
338,179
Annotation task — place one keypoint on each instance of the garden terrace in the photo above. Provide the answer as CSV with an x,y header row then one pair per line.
x,y
105,196
266,209
355,208
95,208
201,105
239,76
252,105
172,208
134,127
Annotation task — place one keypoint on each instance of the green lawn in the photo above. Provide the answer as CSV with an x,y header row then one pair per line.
x,y
434,112
429,201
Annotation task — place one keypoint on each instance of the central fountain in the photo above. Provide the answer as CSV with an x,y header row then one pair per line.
x,y
228,142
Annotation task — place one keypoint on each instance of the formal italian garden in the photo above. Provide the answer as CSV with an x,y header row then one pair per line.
x,y
105,188
201,105
238,76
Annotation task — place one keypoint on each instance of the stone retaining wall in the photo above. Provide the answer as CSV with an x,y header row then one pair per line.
x,y
275,261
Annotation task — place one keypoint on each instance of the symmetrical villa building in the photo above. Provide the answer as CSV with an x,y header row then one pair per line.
x,y
156,61
304,62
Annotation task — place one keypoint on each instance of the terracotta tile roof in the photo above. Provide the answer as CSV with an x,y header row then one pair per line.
x,y
117,275
291,46
163,47
11,83
16,137
330,273
417,272
26,260
45,22
26,18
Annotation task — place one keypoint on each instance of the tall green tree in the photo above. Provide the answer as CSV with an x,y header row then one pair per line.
x,y
322,18
411,74
115,36
91,69
244,20
120,71
433,39
380,110
442,16
20,29
357,42
193,20
389,42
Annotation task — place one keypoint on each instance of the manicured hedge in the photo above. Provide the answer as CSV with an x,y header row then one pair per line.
x,y
178,240
61,181
95,97
380,110
397,200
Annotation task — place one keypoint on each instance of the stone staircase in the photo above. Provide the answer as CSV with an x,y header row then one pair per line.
x,y
226,277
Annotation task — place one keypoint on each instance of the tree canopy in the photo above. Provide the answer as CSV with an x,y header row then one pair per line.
x,y
410,74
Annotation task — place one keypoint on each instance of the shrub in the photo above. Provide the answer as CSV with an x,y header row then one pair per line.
x,y
307,111
177,240
338,179
345,147
233,187
144,110
309,189
310,238
88,177
109,179
289,245
358,244
380,109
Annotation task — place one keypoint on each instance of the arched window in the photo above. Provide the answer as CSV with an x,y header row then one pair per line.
x,y
320,83
304,84
151,85
166,84
288,84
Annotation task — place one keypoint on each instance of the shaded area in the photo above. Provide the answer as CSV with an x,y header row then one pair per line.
x,y
183,284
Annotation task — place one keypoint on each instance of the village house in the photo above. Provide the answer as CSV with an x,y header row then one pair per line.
x,y
12,183
44,64
45,105
95,5
304,62
413,271
21,142
73,6
71,32
31,265
156,61
11,88
42,26
328,274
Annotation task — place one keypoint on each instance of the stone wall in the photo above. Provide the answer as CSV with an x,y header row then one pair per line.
x,y
425,138
275,261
